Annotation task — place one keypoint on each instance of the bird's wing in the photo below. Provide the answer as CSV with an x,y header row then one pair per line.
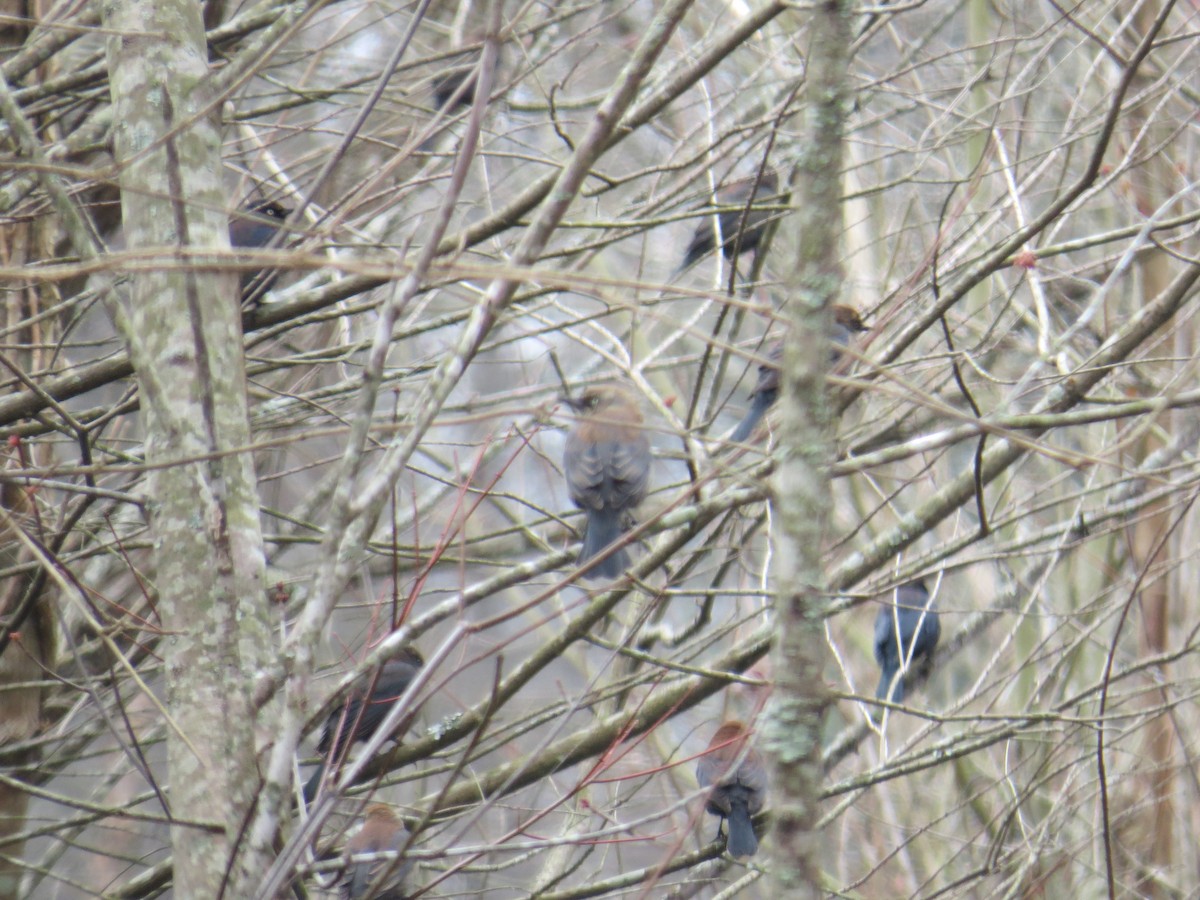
x,y
584,465
629,471
885,636
916,609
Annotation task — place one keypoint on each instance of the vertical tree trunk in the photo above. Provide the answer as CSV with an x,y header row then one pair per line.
x,y
27,656
25,607
1154,537
801,487
184,337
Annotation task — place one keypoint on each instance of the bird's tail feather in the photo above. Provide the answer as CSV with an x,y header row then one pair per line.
x,y
696,251
603,528
885,681
742,841
314,783
759,404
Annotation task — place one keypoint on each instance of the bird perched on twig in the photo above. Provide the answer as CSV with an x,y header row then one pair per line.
x,y
741,220
382,879
607,464
906,634
737,793
846,323
361,715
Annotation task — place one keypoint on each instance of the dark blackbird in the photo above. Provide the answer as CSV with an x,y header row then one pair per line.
x,y
846,323
444,87
906,634
255,225
383,879
737,211
739,794
607,464
356,720
462,69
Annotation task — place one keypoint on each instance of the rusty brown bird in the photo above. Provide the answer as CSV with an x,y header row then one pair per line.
x,y
382,879
735,772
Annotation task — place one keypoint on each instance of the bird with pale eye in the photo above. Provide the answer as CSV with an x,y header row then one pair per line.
x,y
253,226
607,465
846,323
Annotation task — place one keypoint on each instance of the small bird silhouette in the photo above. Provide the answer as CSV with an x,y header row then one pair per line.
x,y
360,716
445,86
462,69
741,220
381,832
846,323
906,634
737,794
607,464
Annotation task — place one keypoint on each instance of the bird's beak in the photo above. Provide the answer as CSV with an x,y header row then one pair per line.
x,y
570,401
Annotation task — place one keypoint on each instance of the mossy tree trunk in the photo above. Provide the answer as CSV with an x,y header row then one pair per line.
x,y
801,494
182,327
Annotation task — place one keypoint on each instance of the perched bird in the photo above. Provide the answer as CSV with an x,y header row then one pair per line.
x,y
445,86
740,204
254,226
381,832
846,323
462,69
736,794
360,716
906,633
607,464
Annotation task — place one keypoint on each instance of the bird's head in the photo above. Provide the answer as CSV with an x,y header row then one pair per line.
x,y
272,210
600,398
729,731
848,317
381,811
410,654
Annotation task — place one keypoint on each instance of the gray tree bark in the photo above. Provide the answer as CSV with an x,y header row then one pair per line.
x,y
182,328
801,495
